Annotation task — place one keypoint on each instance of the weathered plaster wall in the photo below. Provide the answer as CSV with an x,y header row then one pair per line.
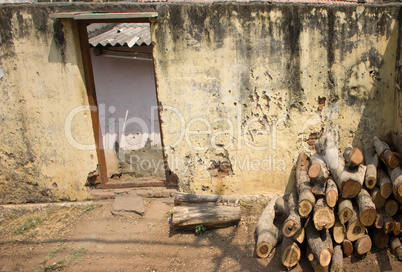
x,y
248,84
42,85
242,87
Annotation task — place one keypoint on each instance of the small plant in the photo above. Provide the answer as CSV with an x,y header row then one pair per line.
x,y
77,255
169,214
87,209
200,229
364,256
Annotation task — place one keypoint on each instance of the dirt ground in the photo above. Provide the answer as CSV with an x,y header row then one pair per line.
x,y
90,238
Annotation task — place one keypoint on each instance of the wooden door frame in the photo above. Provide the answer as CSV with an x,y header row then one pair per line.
x,y
93,103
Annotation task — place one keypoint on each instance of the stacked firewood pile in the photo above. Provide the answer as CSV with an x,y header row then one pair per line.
x,y
339,205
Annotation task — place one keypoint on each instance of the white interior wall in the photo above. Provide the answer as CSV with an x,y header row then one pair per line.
x,y
126,87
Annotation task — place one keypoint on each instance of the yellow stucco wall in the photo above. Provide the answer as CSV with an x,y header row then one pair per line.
x,y
240,84
41,89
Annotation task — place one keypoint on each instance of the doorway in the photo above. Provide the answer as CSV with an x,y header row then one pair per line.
x,y
119,59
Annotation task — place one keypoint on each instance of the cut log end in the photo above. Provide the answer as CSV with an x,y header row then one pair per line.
x,y
290,227
392,161
386,190
264,249
351,188
314,171
370,182
325,257
356,156
391,207
305,208
363,245
347,247
332,198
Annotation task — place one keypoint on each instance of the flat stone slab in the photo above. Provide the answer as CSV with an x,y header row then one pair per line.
x,y
128,203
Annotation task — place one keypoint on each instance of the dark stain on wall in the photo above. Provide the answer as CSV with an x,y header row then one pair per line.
x,y
58,38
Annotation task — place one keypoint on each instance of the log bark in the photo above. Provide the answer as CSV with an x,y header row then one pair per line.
x,y
394,141
292,224
385,183
323,215
209,216
349,181
380,239
370,155
396,178
331,194
184,199
353,156
337,260
347,247
391,207
371,176
396,247
345,210
367,211
290,252
306,197
377,198
384,152
317,245
267,233
355,228
339,232
371,160
318,172
281,208
363,245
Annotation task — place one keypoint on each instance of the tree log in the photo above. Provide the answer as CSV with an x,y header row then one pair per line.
x,y
385,183
345,210
396,177
290,252
351,181
384,152
355,229
331,194
306,197
281,208
371,176
323,215
266,231
379,220
391,207
380,239
371,159
318,172
370,156
388,221
195,199
377,198
327,240
337,260
347,247
396,247
394,141
317,246
299,235
367,211
363,245
209,216
292,223
339,232
314,263
353,156
397,229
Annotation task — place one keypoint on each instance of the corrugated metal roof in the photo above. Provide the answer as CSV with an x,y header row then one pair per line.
x,y
124,34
